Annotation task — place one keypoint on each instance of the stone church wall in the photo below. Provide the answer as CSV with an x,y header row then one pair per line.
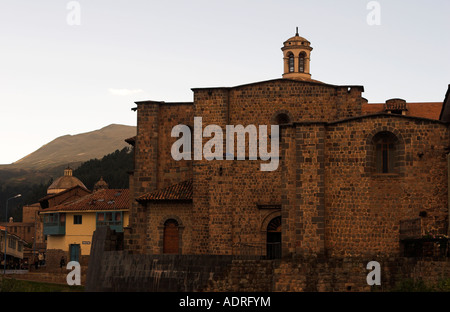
x,y
364,208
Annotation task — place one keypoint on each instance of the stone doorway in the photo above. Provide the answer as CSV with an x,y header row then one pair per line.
x,y
274,238
171,237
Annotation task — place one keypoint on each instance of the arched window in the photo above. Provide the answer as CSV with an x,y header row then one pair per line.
x,y
171,237
385,151
274,238
291,62
301,62
282,119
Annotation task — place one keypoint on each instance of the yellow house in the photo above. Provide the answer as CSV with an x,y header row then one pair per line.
x,y
14,249
69,227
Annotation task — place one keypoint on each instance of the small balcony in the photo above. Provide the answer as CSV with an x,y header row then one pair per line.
x,y
111,219
55,224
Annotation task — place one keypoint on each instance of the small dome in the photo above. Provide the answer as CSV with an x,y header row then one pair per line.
x,y
65,182
100,185
296,40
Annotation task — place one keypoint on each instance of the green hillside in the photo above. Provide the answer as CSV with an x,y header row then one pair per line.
x,y
112,167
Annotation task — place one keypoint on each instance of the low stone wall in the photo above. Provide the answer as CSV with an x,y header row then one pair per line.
x,y
53,258
244,276
120,271
350,274
111,270
315,274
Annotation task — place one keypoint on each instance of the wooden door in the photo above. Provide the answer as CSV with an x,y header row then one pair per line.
x,y
75,252
171,237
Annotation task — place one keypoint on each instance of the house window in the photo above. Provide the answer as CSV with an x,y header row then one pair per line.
x,y
385,143
77,219
12,243
301,62
55,219
54,223
113,219
291,62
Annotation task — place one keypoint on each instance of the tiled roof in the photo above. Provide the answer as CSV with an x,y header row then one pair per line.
x,y
105,199
429,110
2,228
131,140
66,182
62,192
179,191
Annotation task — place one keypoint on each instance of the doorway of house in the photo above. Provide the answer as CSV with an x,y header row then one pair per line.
x,y
171,237
74,250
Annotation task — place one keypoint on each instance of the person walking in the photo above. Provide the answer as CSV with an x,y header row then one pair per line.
x,y
36,262
62,263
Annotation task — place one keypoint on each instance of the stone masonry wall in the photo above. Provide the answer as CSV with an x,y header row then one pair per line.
x,y
364,208
154,166
257,103
112,270
330,200
159,213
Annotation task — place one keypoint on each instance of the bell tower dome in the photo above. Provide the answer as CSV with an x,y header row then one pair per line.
x,y
296,58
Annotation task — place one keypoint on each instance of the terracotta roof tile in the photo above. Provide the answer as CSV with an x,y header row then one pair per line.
x,y
2,228
429,110
48,196
179,191
105,199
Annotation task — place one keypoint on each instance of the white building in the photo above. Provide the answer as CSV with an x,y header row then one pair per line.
x,y
14,249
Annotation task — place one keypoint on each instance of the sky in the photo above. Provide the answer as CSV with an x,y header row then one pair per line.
x,y
69,67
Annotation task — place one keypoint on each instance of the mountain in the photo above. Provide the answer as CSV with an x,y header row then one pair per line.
x,y
31,175
69,149
50,160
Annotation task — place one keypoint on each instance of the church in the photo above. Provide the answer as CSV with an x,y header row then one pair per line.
x,y
353,178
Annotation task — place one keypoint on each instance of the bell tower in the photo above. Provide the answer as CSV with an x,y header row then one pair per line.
x,y
296,58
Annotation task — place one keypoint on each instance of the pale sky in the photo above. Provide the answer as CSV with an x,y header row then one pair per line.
x,y
58,79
